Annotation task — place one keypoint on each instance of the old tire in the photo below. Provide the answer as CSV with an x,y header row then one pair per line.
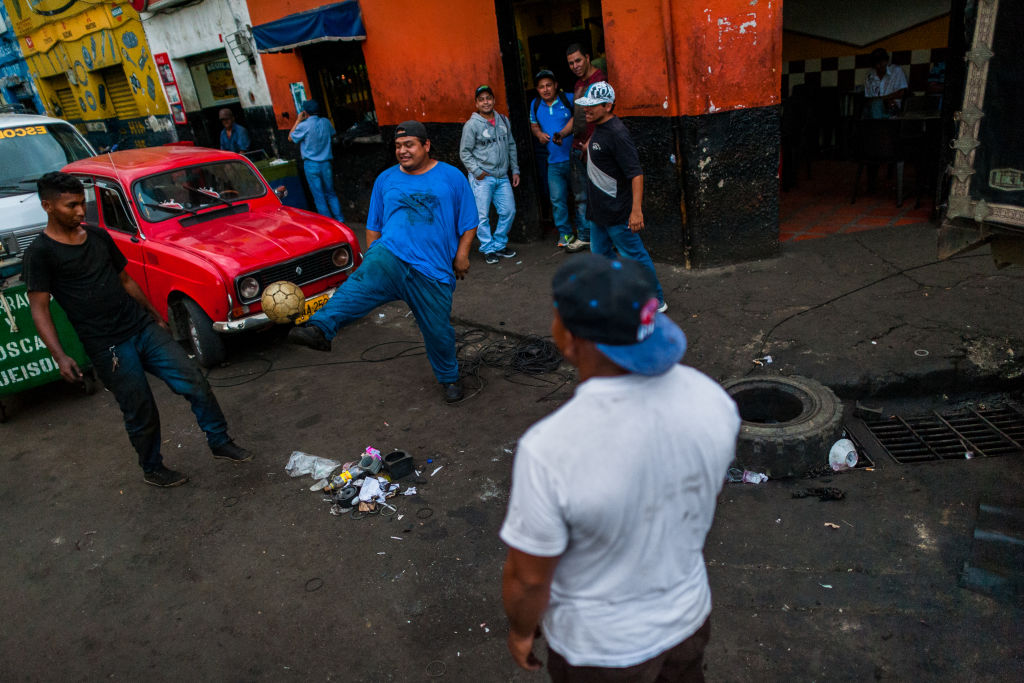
x,y
789,424
206,344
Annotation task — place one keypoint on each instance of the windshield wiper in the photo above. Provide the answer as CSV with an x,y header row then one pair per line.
x,y
17,188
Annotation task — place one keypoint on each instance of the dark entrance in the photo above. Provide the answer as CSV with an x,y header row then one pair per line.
x,y
337,77
534,35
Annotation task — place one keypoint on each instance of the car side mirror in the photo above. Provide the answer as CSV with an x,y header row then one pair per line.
x,y
281,191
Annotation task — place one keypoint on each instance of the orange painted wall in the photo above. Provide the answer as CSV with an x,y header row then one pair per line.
x,y
426,57
678,57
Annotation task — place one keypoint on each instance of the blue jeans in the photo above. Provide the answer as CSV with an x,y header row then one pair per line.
x,y
558,187
153,350
320,177
579,194
382,278
606,240
498,190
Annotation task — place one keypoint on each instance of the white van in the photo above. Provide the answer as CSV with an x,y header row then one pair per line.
x,y
31,146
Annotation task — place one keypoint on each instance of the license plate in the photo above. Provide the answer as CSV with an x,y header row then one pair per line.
x,y
312,306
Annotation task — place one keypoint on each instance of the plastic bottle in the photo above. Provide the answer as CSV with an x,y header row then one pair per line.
x,y
344,478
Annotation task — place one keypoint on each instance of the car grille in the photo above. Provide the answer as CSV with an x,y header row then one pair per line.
x,y
313,266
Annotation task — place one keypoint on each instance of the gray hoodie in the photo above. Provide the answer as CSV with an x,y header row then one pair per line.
x,y
487,147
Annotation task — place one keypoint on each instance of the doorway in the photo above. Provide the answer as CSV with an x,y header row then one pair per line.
x,y
338,79
851,162
543,29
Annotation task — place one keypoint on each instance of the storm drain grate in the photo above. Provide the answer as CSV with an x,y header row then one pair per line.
x,y
952,435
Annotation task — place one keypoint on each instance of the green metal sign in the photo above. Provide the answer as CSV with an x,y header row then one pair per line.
x,y
25,362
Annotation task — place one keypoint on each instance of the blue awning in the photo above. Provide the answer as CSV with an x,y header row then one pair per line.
x,y
340,21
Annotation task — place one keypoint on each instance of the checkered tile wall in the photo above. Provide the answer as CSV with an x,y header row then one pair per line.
x,y
851,71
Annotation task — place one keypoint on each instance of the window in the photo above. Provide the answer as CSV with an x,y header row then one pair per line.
x,y
115,212
190,189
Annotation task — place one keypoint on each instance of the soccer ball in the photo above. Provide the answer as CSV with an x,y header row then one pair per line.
x,y
283,301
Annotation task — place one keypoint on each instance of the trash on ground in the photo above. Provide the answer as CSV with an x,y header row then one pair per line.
x,y
438,469
764,360
411,491
319,485
825,585
735,475
843,455
300,463
832,525
823,493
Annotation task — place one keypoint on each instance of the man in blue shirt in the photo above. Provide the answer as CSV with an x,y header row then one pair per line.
x,y
313,134
419,231
551,122
234,138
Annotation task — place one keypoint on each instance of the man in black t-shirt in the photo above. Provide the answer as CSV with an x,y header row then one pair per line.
x,y
616,184
122,333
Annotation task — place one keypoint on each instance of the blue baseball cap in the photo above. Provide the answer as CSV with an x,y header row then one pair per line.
x,y
614,303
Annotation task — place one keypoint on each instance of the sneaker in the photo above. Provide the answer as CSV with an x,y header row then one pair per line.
x,y
453,391
505,252
564,241
577,245
309,335
231,451
491,258
164,478
663,307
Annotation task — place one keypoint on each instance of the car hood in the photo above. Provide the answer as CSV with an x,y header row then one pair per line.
x,y
20,211
245,242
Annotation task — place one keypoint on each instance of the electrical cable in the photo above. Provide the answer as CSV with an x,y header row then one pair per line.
x,y
532,362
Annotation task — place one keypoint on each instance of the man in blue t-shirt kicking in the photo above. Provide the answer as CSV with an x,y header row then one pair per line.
x,y
419,230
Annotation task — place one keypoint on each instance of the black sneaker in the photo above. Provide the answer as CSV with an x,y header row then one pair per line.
x,y
491,258
231,451
453,392
505,252
164,478
309,335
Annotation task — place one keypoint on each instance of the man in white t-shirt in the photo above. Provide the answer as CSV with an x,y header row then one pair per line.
x,y
613,494
885,87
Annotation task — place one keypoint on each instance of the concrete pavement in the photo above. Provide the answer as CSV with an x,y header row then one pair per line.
x,y
868,314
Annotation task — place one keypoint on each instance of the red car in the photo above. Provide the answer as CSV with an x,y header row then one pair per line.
x,y
204,235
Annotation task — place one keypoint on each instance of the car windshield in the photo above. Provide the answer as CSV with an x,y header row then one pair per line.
x,y
187,190
28,152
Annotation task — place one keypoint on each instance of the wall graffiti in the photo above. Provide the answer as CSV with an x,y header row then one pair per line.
x,y
90,60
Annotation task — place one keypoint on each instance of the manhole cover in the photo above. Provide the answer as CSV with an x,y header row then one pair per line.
x,y
951,435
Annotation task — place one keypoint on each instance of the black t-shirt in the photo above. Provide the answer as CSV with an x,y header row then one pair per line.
x,y
612,163
85,280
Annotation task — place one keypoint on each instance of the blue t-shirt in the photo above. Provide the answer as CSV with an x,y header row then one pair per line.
x,y
314,135
421,217
551,120
238,142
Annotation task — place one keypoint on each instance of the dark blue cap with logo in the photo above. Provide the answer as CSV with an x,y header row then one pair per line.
x,y
614,303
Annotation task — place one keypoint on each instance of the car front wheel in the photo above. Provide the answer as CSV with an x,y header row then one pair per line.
x,y
206,344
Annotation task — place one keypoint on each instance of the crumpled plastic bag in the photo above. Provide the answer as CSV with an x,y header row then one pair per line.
x,y
303,463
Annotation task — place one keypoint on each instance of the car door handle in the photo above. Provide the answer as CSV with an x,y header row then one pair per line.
x,y
135,240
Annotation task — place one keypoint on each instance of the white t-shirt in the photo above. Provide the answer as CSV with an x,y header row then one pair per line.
x,y
621,482
893,80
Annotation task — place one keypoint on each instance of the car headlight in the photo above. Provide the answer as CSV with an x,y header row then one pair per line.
x,y
249,288
340,257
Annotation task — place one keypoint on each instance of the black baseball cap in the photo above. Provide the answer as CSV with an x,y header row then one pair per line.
x,y
483,88
544,73
614,303
411,128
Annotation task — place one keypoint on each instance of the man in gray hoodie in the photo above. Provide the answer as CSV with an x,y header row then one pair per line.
x,y
488,152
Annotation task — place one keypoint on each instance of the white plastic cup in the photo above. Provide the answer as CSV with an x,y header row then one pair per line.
x,y
843,455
